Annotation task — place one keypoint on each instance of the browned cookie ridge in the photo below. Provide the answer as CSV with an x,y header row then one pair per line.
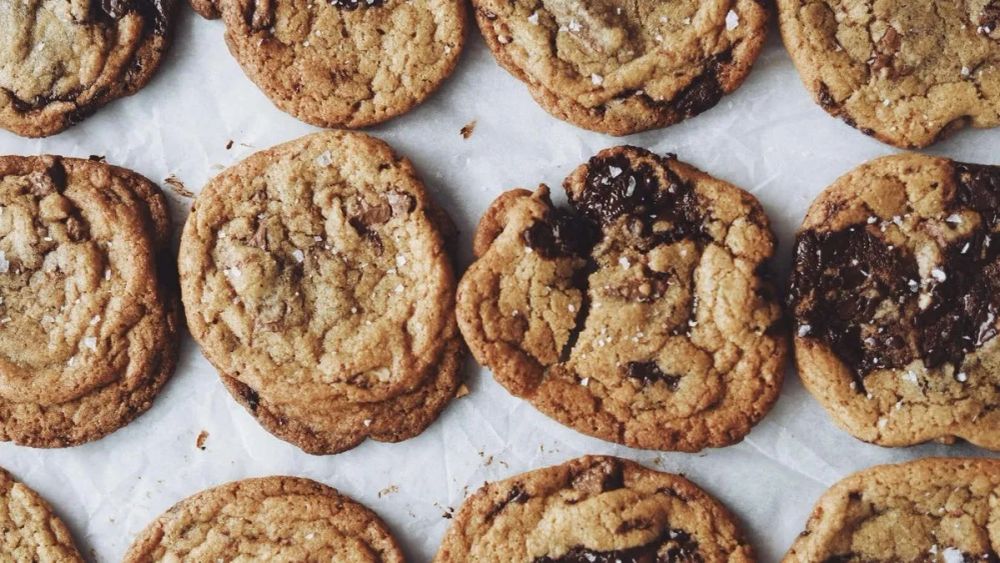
x,y
907,73
895,293
934,509
638,315
625,67
315,278
267,519
88,317
61,60
594,509
343,63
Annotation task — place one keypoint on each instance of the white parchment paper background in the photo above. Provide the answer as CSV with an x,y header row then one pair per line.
x,y
768,138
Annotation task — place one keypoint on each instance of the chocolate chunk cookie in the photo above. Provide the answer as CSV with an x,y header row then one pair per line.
x,y
60,60
343,63
315,277
88,316
594,509
29,530
639,314
895,292
936,509
904,72
625,67
267,519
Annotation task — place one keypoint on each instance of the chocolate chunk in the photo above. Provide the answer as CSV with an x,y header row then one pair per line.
x,y
155,11
355,4
649,373
673,546
561,234
516,495
989,20
600,478
704,92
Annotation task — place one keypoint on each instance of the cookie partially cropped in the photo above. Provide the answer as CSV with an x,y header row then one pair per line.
x,y
60,61
315,278
638,315
906,73
625,67
29,529
267,519
896,293
593,508
343,63
88,317
934,509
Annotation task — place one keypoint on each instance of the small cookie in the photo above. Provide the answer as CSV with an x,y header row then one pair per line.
x,y
625,67
934,509
88,325
60,61
906,73
315,278
596,509
896,297
343,63
29,530
637,316
267,519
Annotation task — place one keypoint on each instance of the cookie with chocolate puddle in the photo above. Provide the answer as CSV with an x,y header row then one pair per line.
x,y
934,509
896,294
594,509
60,61
315,277
906,73
625,67
638,314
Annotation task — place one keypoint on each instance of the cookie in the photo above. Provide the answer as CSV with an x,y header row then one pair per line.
x,y
60,61
906,73
343,63
625,67
596,509
934,509
29,529
895,294
88,317
639,315
267,519
315,278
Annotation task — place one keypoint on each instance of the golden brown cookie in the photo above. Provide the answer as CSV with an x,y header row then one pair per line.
x,y
895,293
60,60
906,73
940,510
343,63
29,530
594,509
625,67
315,278
638,315
88,318
267,519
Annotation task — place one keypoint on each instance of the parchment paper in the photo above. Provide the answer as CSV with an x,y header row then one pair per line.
x,y
768,138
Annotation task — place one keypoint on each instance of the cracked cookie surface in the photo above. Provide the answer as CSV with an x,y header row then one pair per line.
x,y
594,509
639,315
267,519
940,510
315,278
343,63
907,73
29,530
895,293
88,318
60,60
625,67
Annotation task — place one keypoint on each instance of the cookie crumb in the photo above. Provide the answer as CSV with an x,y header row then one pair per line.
x,y
388,491
178,187
229,145
468,129
462,391
200,440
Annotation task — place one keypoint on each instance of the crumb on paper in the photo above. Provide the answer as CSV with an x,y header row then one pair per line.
x,y
202,438
229,145
178,187
463,390
468,129
388,491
